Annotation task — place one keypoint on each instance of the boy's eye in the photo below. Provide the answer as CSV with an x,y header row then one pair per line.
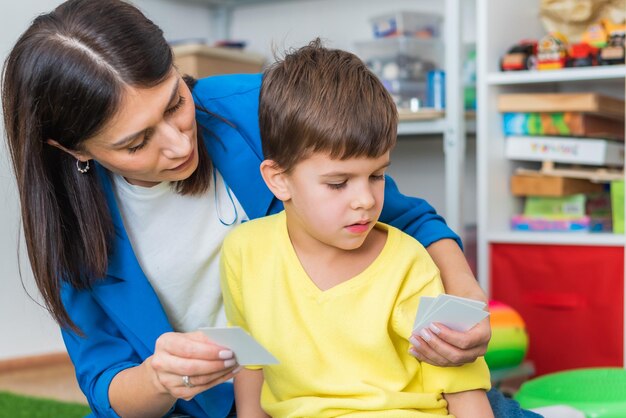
x,y
337,186
378,177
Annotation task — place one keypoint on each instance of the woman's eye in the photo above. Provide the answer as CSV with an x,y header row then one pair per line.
x,y
178,105
137,147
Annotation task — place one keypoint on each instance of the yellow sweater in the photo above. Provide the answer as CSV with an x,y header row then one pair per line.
x,y
343,351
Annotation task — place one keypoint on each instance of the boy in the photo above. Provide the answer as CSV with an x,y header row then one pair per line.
x,y
323,286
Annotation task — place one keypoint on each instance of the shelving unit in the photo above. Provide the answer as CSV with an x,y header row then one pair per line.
x,y
554,279
451,125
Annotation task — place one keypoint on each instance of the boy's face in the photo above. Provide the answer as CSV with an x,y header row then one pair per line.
x,y
335,202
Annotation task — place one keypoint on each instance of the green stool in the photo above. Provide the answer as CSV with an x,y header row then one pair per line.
x,y
598,392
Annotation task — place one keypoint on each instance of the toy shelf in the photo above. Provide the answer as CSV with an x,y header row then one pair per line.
x,y
615,72
430,122
557,281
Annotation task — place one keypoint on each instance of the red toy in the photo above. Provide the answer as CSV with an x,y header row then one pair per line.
x,y
582,55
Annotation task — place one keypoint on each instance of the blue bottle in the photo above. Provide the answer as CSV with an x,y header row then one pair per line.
x,y
436,89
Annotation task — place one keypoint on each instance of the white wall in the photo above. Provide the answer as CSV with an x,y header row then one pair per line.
x,y
25,328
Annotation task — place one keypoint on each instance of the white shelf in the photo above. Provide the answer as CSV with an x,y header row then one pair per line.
x,y
614,72
431,127
557,238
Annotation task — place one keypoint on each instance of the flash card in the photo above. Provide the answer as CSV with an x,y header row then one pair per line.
x,y
248,351
457,313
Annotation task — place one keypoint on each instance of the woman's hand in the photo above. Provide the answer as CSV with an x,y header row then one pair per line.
x,y
185,364
441,346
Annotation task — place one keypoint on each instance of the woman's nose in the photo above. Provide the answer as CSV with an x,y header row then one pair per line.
x,y
176,143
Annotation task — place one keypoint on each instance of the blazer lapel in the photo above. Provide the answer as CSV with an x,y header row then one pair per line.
x,y
237,161
128,295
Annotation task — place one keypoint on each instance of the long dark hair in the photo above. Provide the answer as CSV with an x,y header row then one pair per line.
x,y
63,81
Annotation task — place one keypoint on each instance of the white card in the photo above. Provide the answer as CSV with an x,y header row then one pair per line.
x,y
456,313
247,350
477,303
423,308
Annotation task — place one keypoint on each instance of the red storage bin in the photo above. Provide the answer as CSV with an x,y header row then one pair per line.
x,y
571,298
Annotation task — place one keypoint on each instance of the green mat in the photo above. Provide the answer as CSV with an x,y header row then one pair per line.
x,y
19,406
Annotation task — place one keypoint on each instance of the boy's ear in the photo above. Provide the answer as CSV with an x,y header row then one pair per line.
x,y
76,154
276,179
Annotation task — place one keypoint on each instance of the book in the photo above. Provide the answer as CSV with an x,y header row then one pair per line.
x,y
556,208
562,102
575,124
586,151
525,223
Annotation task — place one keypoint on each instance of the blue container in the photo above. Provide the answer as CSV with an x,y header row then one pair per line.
x,y
436,89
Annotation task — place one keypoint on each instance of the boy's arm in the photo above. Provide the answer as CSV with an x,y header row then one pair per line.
x,y
469,404
248,384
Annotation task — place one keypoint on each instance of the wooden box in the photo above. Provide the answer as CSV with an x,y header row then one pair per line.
x,y
549,186
565,150
562,102
200,61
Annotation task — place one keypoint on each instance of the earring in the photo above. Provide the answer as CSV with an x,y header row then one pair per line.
x,y
83,169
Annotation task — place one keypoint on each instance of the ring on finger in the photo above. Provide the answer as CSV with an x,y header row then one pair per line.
x,y
187,382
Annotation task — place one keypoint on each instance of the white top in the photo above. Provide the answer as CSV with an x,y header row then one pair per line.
x,y
177,241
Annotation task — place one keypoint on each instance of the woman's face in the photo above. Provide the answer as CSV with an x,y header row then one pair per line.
x,y
152,137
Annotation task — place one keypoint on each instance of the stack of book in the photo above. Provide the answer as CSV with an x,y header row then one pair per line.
x,y
579,140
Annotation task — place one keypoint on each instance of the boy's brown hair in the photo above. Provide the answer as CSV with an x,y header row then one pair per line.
x,y
324,100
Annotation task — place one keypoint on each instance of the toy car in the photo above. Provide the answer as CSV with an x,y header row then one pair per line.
x,y
522,56
614,52
552,52
582,55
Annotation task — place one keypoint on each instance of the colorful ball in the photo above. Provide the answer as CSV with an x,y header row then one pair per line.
x,y
509,340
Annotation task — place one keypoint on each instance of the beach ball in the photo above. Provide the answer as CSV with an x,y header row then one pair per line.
x,y
509,340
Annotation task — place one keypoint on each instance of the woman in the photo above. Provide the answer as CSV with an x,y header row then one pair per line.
x,y
125,205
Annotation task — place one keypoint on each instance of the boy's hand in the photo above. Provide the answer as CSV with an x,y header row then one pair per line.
x,y
442,346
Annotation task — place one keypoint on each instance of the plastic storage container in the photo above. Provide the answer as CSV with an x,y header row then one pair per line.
x,y
403,23
403,64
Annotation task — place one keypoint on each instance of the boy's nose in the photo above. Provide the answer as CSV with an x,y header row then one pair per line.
x,y
364,199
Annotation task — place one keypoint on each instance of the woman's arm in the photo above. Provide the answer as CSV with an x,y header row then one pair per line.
x,y
151,388
116,380
469,404
248,384
441,346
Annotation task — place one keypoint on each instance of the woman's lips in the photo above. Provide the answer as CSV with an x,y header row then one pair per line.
x,y
186,163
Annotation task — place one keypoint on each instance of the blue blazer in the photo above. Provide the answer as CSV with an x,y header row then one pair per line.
x,y
121,316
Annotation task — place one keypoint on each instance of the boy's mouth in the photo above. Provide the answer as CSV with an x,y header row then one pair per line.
x,y
359,227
